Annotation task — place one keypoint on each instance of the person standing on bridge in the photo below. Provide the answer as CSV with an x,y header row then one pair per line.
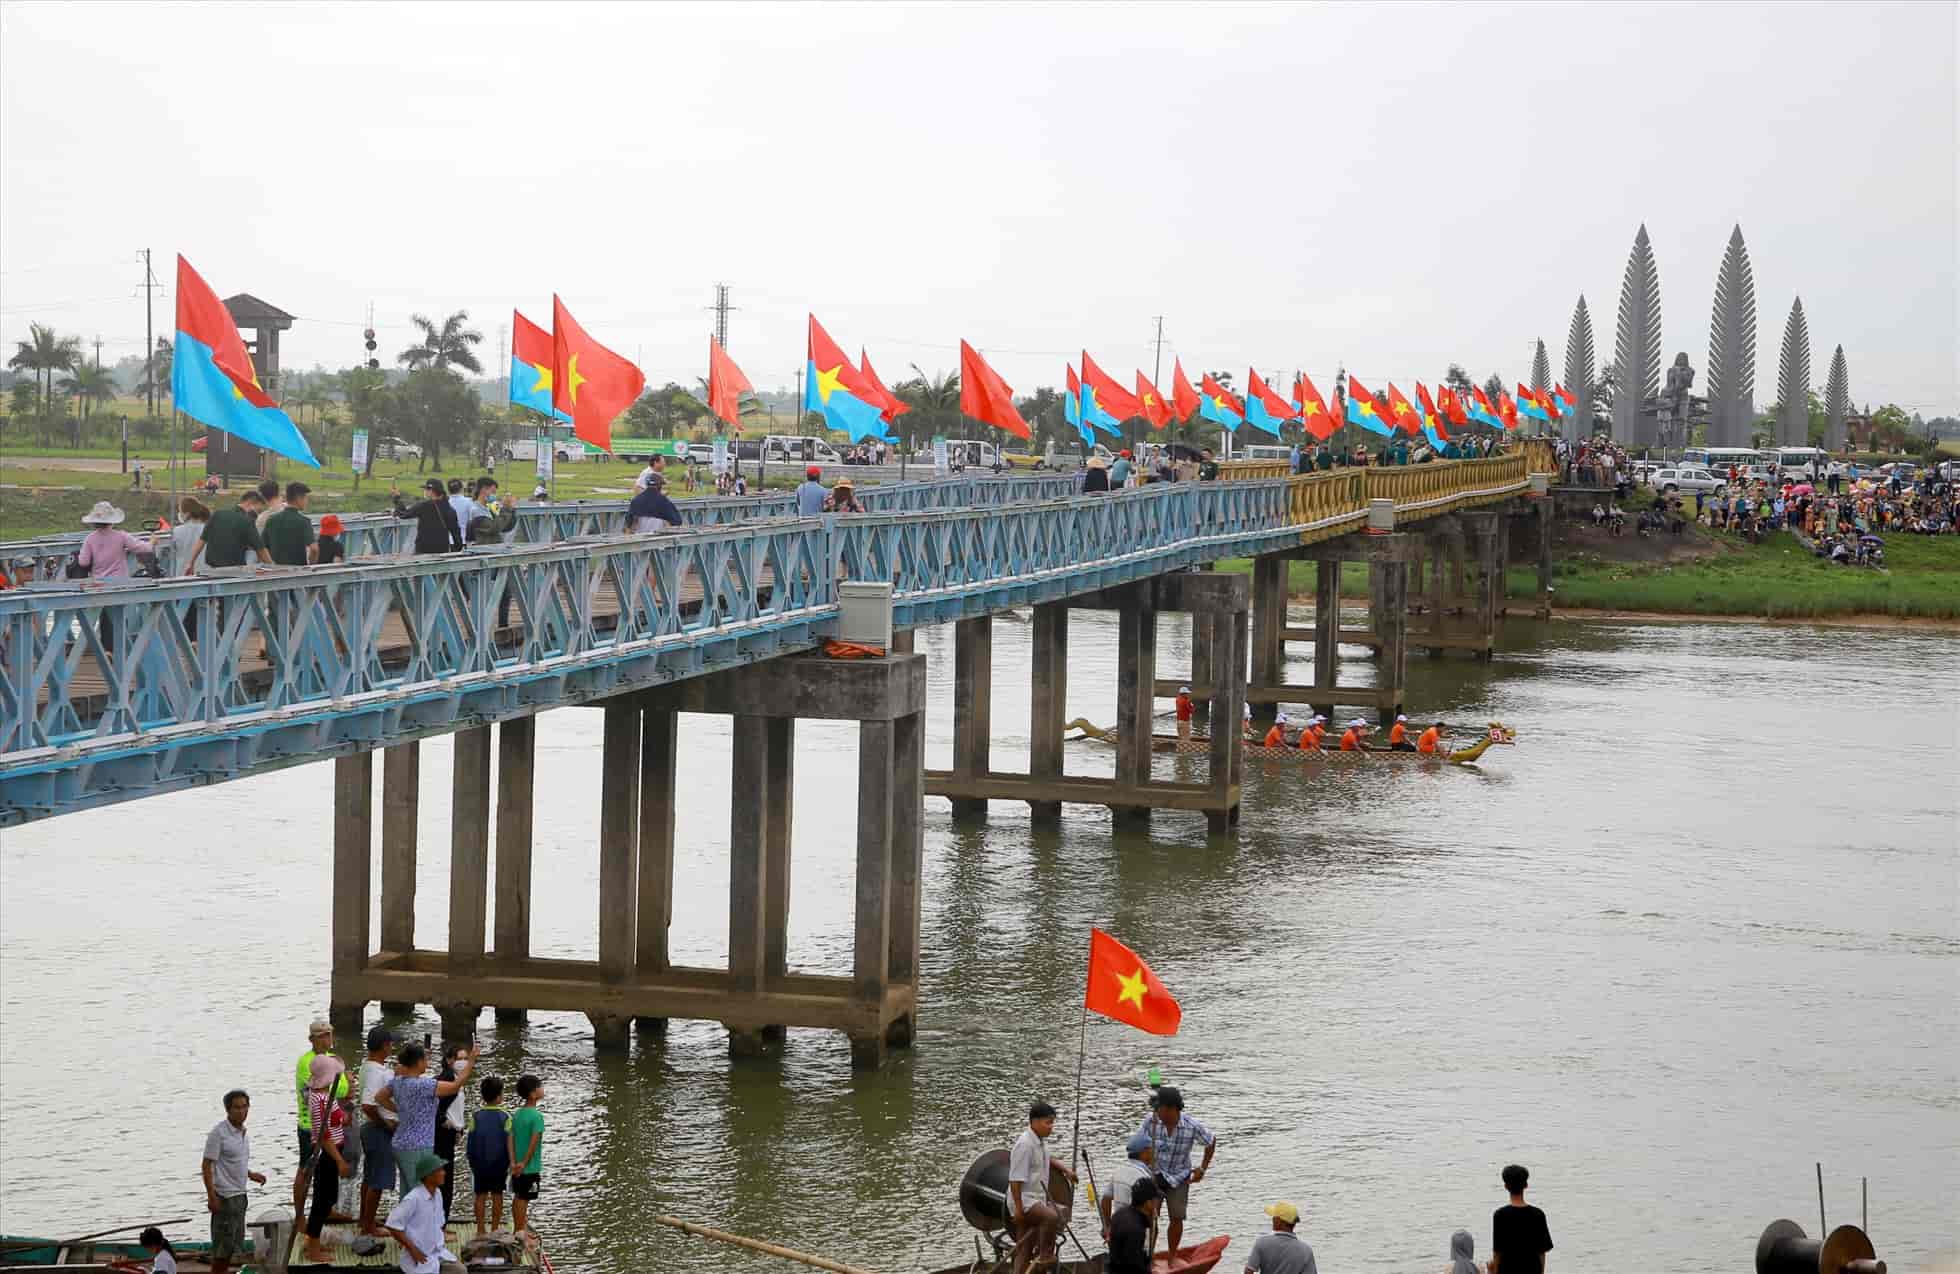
x,y
810,494
652,509
842,498
1095,477
436,527
288,534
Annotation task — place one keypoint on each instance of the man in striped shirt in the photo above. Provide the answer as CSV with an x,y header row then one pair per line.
x,y
1173,1134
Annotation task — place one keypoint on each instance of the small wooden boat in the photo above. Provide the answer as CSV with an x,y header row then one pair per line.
x,y
1497,734
504,1253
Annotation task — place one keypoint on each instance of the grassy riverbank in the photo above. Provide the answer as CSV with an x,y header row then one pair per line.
x,y
1713,573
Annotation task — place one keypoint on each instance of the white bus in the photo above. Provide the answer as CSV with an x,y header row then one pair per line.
x,y
1806,463
1720,458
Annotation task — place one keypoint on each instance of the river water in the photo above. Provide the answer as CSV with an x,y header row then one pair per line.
x,y
1697,931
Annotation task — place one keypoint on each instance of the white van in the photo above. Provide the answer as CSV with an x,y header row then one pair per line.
x,y
796,448
971,453
1266,451
1806,463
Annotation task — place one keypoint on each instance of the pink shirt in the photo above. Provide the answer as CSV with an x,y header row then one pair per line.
x,y
104,549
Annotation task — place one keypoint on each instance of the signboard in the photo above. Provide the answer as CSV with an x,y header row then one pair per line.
x,y
941,462
720,462
360,450
547,457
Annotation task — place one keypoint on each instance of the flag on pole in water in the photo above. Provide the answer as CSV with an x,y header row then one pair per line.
x,y
1121,986
530,367
212,379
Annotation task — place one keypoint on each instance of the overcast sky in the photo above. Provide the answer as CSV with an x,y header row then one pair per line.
x,y
1393,187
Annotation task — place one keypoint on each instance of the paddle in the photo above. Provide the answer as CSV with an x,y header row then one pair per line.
x,y
22,1244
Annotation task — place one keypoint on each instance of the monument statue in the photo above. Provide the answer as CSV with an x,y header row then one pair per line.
x,y
1581,365
1673,410
1837,401
1732,349
1636,345
1793,382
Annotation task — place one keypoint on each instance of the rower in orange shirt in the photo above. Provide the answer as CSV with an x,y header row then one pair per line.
x,y
1276,737
1430,740
1398,736
1352,736
1184,710
1310,734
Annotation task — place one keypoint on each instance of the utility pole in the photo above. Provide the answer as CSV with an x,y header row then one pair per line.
x,y
149,286
1157,368
721,307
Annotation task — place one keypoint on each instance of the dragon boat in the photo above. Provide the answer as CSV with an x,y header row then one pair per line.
x,y
1496,734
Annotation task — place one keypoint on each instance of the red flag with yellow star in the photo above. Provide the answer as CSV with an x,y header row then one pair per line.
x,y
589,382
1121,986
1155,409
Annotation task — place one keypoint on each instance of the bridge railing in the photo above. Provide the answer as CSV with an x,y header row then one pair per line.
x,y
383,534
116,687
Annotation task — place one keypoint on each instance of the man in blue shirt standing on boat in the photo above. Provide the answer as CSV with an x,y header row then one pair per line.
x,y
1172,1135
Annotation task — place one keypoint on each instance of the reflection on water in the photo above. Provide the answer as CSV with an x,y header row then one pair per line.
x,y
1696,931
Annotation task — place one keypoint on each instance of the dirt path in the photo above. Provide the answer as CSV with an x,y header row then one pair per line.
x,y
84,464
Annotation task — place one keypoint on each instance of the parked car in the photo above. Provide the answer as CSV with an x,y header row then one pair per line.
x,y
701,452
1673,481
396,449
200,442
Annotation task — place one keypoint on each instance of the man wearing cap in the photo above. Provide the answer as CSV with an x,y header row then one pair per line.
x,y
436,527
1184,710
1037,1222
1172,1134
1282,1251
810,493
1119,473
1122,1182
1351,738
417,1221
1312,732
319,1041
1398,736
1131,1226
652,509
1276,737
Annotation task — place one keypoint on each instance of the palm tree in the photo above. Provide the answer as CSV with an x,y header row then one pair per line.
x,y
44,353
166,352
90,385
445,346
935,403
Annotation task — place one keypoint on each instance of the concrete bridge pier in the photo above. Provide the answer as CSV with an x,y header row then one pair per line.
x,y
1387,557
634,981
973,701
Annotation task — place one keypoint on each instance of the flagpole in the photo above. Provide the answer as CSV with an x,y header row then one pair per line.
x,y
1081,1056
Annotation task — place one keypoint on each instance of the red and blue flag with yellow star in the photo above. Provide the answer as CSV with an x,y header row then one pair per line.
x,y
530,367
834,388
212,379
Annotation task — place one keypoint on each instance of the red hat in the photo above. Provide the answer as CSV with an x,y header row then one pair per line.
x,y
330,524
813,472
1126,453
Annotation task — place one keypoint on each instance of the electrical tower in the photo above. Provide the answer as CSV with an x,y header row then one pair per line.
x,y
721,308
150,287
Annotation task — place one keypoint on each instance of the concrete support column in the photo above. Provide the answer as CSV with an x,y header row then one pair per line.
x,y
469,850
1204,669
908,847
1545,558
401,785
776,812
748,868
1268,628
1136,678
659,736
1326,633
619,843
1226,754
1391,602
516,778
973,696
903,641
353,848
1241,638
1047,717
1374,599
871,958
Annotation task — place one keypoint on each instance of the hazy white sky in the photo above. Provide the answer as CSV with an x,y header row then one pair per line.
x,y
1390,186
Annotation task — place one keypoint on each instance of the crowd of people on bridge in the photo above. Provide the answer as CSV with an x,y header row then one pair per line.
x,y
1161,1163
396,1125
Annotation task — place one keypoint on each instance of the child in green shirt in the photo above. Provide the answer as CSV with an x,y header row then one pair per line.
x,y
526,1150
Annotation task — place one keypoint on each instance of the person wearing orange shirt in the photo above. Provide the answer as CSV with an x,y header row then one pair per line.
x,y
1398,736
1430,740
1351,738
1276,737
1312,733
1184,714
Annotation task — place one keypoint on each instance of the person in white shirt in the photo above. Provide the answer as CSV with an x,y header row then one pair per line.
x,y
645,476
163,1257
377,1129
417,1221
1037,1222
